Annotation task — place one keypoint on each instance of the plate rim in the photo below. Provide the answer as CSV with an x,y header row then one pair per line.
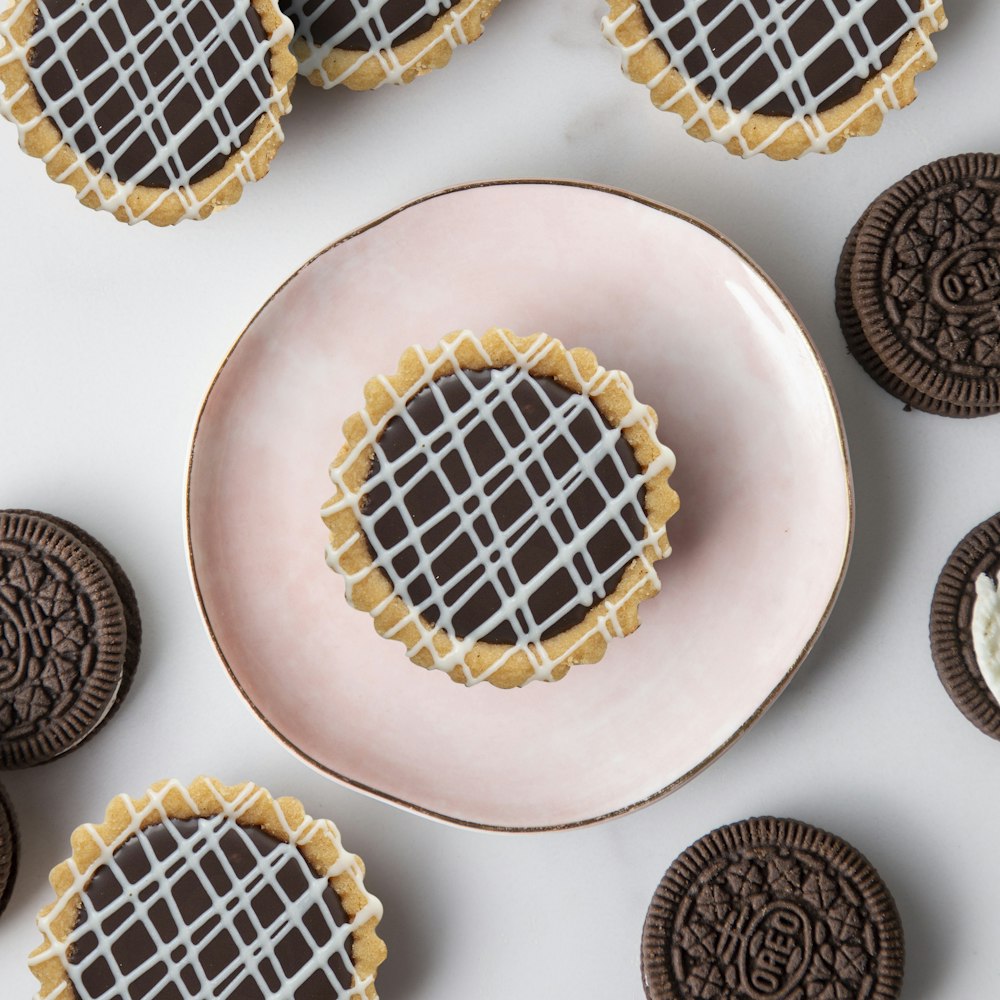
x,y
768,701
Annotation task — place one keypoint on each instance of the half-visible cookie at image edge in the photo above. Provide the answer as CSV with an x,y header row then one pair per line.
x,y
777,78
209,890
926,280
965,626
863,352
70,636
156,110
8,849
500,504
363,44
771,908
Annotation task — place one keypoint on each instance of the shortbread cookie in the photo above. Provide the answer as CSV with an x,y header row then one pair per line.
x,y
8,850
772,909
781,77
965,626
500,503
365,43
156,110
925,282
70,636
209,891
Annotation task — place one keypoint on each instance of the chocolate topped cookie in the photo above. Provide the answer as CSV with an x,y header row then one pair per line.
x,y
771,909
782,77
499,507
8,850
365,43
925,282
965,626
209,892
69,637
151,109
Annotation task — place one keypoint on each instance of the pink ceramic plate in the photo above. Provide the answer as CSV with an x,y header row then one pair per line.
x,y
760,544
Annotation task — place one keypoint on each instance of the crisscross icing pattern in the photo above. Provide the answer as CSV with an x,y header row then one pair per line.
x,y
502,507
151,93
372,28
208,908
789,58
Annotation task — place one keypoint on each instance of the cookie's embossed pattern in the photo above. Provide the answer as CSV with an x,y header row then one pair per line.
x,y
771,909
927,278
62,640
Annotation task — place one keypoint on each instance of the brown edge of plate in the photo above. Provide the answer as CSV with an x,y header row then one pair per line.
x,y
762,708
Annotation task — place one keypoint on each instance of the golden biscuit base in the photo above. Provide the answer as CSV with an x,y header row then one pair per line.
x,y
217,191
369,589
776,136
317,840
432,50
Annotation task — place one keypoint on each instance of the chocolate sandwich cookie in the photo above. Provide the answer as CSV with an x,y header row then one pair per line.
x,y
156,110
771,909
365,43
499,507
965,626
862,350
209,891
781,77
8,849
70,635
925,284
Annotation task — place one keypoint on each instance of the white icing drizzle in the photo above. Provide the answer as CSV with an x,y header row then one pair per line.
x,y
128,64
766,32
368,18
155,887
497,555
986,632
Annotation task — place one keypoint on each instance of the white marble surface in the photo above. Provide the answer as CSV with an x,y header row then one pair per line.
x,y
109,337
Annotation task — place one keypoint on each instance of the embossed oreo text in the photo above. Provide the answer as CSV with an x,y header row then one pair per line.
x,y
776,951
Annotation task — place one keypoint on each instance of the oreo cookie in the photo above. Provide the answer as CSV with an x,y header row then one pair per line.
x,y
863,352
70,636
8,849
918,288
965,626
767,909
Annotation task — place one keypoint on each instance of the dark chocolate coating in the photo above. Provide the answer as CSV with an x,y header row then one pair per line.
x,y
332,17
121,94
482,453
216,951
751,70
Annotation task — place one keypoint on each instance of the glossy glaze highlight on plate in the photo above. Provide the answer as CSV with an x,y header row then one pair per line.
x,y
760,544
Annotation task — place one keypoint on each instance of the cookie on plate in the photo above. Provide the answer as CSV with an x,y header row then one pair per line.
x,y
209,891
499,505
781,78
156,110
965,626
767,909
69,637
8,849
365,43
922,271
